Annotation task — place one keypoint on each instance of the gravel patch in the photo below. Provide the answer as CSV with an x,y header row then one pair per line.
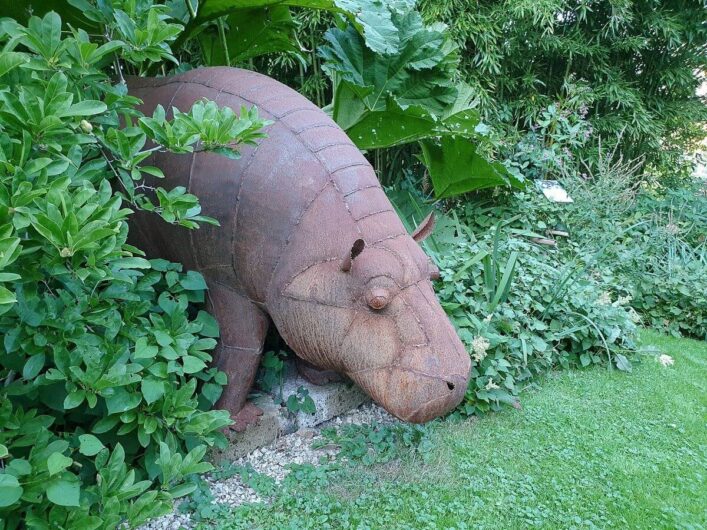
x,y
272,460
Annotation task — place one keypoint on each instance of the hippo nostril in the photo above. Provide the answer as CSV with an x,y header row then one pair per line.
x,y
450,385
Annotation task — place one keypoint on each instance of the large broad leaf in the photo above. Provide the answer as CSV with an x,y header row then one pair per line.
x,y
64,491
210,9
251,33
418,75
386,100
455,167
388,127
397,126
372,18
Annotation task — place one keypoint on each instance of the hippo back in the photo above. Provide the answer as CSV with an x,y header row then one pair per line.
x,y
261,199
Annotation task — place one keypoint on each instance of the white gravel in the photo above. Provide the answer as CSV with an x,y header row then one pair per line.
x,y
272,460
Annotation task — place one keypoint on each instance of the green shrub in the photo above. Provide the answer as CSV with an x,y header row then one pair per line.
x,y
675,303
542,324
521,308
653,241
105,388
663,261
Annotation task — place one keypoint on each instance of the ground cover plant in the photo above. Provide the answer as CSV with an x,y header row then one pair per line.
x,y
590,449
662,263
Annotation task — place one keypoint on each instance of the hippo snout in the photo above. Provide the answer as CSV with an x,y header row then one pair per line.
x,y
408,357
431,397
413,396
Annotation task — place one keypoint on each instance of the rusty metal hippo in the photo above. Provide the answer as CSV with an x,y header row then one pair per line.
x,y
309,240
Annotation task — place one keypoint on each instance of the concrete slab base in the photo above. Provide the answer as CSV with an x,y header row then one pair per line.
x,y
330,400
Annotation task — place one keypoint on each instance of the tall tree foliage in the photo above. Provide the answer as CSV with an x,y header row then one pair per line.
x,y
635,65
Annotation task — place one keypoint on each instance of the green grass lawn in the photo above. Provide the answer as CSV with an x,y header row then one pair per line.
x,y
589,449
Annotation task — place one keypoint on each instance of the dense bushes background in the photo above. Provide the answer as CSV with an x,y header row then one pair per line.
x,y
662,263
634,67
104,364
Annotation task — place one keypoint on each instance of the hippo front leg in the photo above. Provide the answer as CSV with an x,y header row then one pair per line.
x,y
243,329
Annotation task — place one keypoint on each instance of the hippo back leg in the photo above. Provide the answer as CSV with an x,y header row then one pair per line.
x,y
243,329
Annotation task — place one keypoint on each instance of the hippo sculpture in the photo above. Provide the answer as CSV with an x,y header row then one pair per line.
x,y
307,240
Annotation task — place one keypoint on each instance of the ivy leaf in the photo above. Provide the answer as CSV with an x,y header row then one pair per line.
x,y
193,364
162,338
193,281
622,363
209,325
152,389
10,490
143,350
211,392
64,492
57,462
90,445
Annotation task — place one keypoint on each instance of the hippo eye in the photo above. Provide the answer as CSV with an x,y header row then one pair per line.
x,y
377,298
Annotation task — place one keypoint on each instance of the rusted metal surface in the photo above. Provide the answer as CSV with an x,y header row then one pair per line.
x,y
309,241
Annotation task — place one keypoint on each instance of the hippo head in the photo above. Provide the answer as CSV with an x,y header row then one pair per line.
x,y
373,316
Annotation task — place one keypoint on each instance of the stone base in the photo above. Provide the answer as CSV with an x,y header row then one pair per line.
x,y
330,400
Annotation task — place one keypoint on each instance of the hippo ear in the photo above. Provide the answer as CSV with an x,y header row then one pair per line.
x,y
425,228
356,249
